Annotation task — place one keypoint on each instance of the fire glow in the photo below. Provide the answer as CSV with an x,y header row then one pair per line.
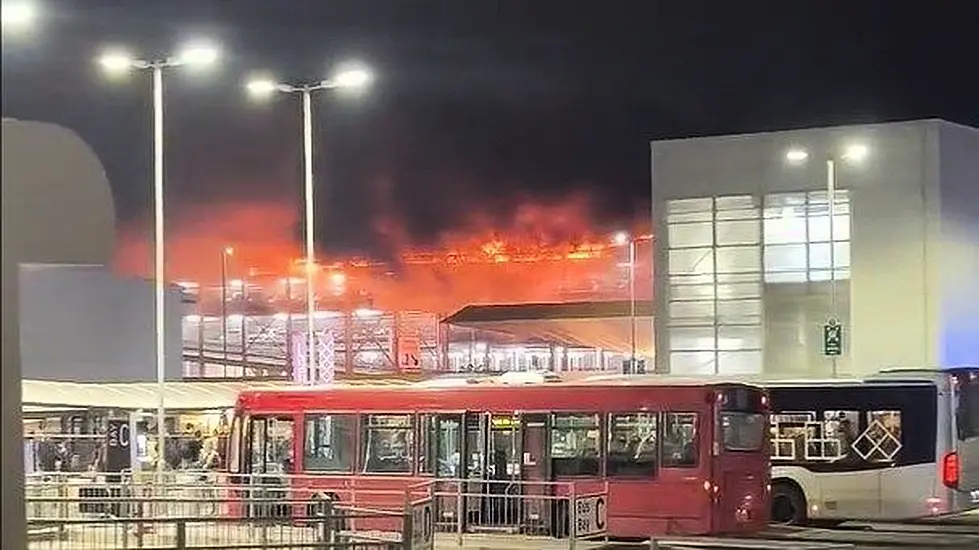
x,y
545,252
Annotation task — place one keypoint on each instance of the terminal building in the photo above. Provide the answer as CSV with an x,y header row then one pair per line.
x,y
764,240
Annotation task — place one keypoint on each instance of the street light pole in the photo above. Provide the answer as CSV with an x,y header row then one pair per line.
x,y
831,198
159,270
632,300
119,62
350,78
833,330
307,129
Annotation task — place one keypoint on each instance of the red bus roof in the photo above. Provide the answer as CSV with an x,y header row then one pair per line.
x,y
606,393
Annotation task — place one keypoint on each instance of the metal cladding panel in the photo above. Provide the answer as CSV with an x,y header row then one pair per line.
x,y
84,323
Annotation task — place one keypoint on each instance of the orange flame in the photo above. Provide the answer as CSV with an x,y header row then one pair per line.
x,y
545,252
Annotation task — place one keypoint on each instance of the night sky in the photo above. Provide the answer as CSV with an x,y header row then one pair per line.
x,y
477,104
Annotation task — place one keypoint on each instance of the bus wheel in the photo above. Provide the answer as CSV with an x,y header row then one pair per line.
x,y
788,504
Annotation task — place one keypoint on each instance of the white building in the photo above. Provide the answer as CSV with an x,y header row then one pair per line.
x,y
746,277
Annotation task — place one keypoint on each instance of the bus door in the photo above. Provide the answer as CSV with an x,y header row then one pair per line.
x,y
537,493
268,461
493,448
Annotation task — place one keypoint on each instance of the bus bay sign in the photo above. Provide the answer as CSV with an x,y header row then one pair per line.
x,y
590,516
422,525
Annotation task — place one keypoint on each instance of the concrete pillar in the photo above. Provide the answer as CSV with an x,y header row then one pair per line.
x,y
56,208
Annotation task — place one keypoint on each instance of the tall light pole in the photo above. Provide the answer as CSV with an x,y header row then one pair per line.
x,y
853,154
622,238
349,78
116,62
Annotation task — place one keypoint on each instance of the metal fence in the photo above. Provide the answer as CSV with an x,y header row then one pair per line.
x,y
195,510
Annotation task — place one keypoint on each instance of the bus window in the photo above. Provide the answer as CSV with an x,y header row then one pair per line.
x,y
743,431
967,411
679,440
440,437
574,444
881,441
387,443
631,445
328,444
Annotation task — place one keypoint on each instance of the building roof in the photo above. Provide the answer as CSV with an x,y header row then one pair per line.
x,y
602,325
186,396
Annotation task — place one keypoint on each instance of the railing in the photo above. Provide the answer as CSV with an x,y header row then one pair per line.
x,y
188,510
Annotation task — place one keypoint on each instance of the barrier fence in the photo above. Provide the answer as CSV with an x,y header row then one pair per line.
x,y
196,510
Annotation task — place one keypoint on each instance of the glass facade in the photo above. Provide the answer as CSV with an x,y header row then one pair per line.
x,y
750,278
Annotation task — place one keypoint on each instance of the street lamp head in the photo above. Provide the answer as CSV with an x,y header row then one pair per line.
x,y
117,61
796,155
18,15
621,238
229,251
261,87
855,152
352,77
198,54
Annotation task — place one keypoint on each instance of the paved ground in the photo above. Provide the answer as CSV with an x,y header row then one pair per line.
x,y
957,535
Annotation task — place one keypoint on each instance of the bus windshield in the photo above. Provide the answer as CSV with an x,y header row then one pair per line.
x,y
742,419
743,431
967,411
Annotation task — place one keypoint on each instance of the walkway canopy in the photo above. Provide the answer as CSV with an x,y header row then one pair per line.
x,y
184,396
599,325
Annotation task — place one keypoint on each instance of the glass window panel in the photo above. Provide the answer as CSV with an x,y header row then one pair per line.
x,y
692,310
824,275
738,259
690,217
737,338
692,261
689,205
687,235
819,228
574,444
679,440
786,277
738,232
738,290
778,201
785,257
692,292
692,363
739,277
739,311
788,228
691,338
841,227
740,214
388,443
739,362
736,202
329,441
819,255
685,280
632,445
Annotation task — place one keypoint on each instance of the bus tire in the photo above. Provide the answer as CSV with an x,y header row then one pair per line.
x,y
788,504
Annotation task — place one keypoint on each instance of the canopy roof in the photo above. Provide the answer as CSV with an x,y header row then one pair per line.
x,y
604,325
197,396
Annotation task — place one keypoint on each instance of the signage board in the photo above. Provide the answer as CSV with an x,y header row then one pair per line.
x,y
590,516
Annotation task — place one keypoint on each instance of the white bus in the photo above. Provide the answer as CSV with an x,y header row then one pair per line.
x,y
898,445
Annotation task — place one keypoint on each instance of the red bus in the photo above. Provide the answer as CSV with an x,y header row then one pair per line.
x,y
670,455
